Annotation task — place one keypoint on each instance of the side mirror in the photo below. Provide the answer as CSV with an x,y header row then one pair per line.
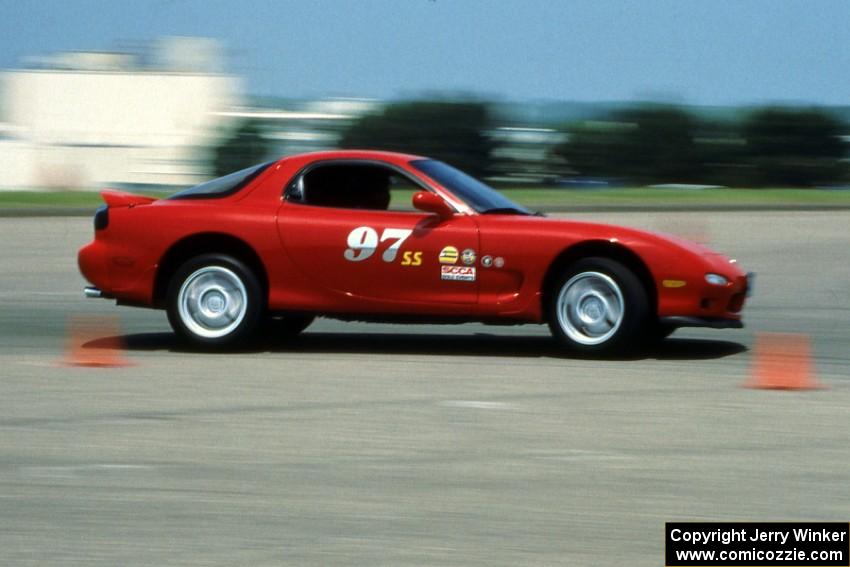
x,y
432,203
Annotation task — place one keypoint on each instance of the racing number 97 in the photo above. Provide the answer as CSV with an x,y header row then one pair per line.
x,y
363,242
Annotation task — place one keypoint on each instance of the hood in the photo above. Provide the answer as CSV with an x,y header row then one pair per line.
x,y
632,236
663,253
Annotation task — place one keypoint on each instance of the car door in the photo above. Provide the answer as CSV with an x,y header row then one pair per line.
x,y
383,260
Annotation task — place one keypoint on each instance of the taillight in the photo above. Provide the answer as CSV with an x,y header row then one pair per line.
x,y
101,217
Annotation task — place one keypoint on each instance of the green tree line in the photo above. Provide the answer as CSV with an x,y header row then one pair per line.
x,y
645,144
778,147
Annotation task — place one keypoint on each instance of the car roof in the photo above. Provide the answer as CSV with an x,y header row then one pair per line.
x,y
356,154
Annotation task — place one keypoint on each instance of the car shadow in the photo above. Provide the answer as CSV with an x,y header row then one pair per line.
x,y
478,344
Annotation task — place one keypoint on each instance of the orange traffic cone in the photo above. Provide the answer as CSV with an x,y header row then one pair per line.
x,y
782,361
94,341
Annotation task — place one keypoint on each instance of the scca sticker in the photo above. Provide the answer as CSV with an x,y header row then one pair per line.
x,y
457,273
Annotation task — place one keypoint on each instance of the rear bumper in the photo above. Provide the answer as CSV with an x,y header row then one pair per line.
x,y
91,260
710,322
116,274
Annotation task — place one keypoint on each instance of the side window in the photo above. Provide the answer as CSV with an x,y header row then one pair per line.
x,y
354,186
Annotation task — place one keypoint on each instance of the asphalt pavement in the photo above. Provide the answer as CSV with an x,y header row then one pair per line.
x,y
367,444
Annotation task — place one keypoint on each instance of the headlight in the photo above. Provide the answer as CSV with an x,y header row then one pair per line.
x,y
716,279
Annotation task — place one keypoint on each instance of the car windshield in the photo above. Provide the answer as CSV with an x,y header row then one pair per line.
x,y
223,186
481,197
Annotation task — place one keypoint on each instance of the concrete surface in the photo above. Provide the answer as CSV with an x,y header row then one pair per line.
x,y
392,445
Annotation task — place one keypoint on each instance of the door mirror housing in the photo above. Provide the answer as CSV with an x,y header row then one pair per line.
x,y
432,203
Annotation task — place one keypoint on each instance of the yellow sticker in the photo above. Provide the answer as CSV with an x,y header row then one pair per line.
x,y
674,283
448,255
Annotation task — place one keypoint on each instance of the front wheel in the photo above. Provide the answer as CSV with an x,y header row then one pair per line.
x,y
214,300
598,306
661,331
287,325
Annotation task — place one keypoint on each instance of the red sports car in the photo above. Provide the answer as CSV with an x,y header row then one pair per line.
x,y
367,235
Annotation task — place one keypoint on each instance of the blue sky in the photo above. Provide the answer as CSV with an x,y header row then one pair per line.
x,y
712,52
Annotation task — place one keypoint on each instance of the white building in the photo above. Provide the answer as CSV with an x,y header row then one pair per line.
x,y
87,120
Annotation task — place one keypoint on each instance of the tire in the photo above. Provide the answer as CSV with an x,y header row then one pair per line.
x,y
661,331
288,325
214,300
598,306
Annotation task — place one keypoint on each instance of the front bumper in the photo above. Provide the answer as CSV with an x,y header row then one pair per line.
x,y
719,307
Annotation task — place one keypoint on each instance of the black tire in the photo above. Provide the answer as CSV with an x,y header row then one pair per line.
x,y
214,300
286,325
661,331
587,296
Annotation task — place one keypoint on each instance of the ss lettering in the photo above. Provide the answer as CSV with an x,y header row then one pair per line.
x,y
411,258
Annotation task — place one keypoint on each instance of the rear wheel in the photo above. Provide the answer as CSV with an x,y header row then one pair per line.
x,y
598,306
214,300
